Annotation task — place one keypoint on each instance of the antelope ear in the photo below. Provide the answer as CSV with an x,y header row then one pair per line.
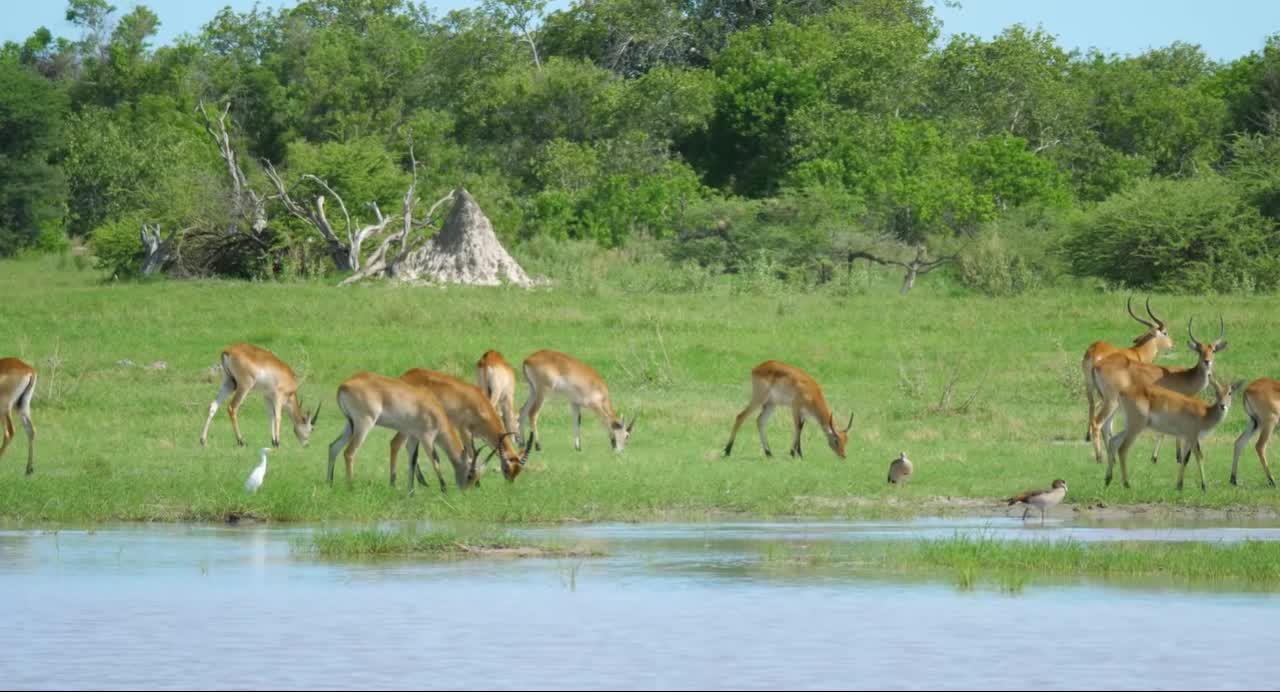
x,y
1220,346
632,424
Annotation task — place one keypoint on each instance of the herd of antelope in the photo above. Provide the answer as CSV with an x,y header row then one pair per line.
x,y
436,410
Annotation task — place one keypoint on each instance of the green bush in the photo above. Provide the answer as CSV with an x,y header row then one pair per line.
x,y
991,268
117,247
1188,236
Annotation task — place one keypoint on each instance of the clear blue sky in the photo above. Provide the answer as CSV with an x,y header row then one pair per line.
x,y
1225,29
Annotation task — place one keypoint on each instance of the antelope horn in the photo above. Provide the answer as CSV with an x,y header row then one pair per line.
x,y
1222,329
1128,304
850,425
316,415
1153,315
633,422
1191,334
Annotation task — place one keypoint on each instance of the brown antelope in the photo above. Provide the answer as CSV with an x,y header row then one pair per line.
x,y
1262,405
551,373
497,378
472,415
1187,418
247,368
1116,373
368,400
1144,350
777,384
17,388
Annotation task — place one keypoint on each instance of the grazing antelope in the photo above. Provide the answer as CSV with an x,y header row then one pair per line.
x,y
368,400
497,378
777,384
1043,500
17,388
1116,373
553,373
1262,405
1187,418
472,415
247,368
1144,350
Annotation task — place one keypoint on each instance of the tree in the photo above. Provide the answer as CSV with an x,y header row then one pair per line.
x,y
32,189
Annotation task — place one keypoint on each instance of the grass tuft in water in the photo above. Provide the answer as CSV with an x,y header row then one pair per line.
x,y
370,543
1010,564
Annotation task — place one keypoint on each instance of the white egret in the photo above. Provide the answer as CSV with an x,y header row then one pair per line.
x,y
259,472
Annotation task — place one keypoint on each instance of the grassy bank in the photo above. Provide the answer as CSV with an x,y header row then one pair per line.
x,y
971,560
985,395
377,543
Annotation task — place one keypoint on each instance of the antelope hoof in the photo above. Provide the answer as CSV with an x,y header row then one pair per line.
x,y
239,443
1233,482
768,454
1106,481
1179,487
1272,481
727,449
31,470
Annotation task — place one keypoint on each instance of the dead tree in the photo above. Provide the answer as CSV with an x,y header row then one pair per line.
x,y
921,264
158,251
247,204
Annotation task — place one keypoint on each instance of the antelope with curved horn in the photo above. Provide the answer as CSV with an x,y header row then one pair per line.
x,y
1262,404
1115,373
1188,418
774,383
17,388
551,373
1144,350
368,400
247,368
497,378
472,415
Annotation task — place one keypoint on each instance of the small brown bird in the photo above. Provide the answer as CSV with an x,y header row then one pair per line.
x,y
1041,499
900,469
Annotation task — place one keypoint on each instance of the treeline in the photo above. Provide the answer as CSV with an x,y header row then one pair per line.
x,y
793,133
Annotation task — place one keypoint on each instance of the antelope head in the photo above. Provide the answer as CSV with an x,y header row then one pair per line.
x,y
512,463
619,434
836,437
303,426
1206,351
1156,328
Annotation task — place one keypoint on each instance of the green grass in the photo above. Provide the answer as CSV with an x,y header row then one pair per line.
x,y
377,543
972,560
121,443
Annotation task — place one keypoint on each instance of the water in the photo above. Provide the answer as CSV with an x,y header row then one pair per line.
x,y
671,606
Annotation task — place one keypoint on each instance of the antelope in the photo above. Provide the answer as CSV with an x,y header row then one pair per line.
x,y
1144,350
247,368
1166,411
553,373
1262,404
368,400
497,378
1116,373
775,383
17,388
471,414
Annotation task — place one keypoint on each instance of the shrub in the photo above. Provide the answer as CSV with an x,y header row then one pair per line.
x,y
1185,236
